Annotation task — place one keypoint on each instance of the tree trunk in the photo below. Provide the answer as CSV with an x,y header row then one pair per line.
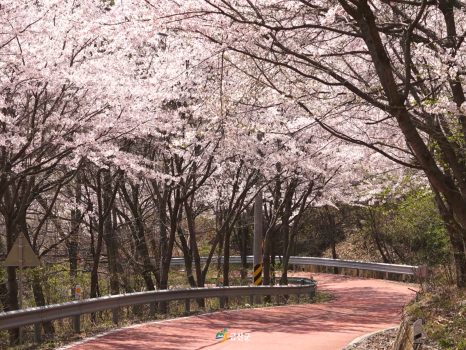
x,y
194,249
266,257
439,180
286,232
76,218
459,254
188,259
110,235
40,299
138,232
243,240
454,231
331,231
167,247
13,302
226,256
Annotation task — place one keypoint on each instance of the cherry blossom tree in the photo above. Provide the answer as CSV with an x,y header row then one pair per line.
x,y
386,75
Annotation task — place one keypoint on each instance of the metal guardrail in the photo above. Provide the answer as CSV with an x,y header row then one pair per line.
x,y
300,280
420,271
36,316
294,280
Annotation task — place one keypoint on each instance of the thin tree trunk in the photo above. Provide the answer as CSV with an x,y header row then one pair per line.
x,y
226,256
105,205
138,232
13,302
110,235
188,259
194,248
243,243
76,218
12,283
39,298
331,230
286,231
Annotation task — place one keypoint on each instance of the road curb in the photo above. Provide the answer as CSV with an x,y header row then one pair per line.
x,y
368,335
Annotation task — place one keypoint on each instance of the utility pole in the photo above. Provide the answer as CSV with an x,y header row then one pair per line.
x,y
257,272
20,263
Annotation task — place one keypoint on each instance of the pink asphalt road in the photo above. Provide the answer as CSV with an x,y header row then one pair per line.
x,y
363,306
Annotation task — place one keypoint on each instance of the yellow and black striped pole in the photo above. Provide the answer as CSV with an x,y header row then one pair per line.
x,y
257,274
257,248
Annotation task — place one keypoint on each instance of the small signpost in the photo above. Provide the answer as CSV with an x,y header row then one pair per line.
x,y
417,332
21,254
77,318
77,292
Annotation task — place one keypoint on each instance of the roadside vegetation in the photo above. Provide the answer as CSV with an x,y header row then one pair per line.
x,y
442,307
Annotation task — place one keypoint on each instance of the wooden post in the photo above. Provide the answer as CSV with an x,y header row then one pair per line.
x,y
38,332
77,323
115,316
152,309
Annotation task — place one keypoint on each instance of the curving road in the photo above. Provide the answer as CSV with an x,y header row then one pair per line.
x,y
363,306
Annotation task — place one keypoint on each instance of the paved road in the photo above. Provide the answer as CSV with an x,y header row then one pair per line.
x,y
363,306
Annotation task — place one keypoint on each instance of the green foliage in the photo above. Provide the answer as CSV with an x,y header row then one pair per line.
x,y
408,228
416,218
443,311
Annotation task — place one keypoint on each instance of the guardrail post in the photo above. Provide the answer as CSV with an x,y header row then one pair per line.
x,y
277,299
187,305
152,309
357,272
251,299
422,271
77,323
38,332
386,275
312,294
297,296
115,316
